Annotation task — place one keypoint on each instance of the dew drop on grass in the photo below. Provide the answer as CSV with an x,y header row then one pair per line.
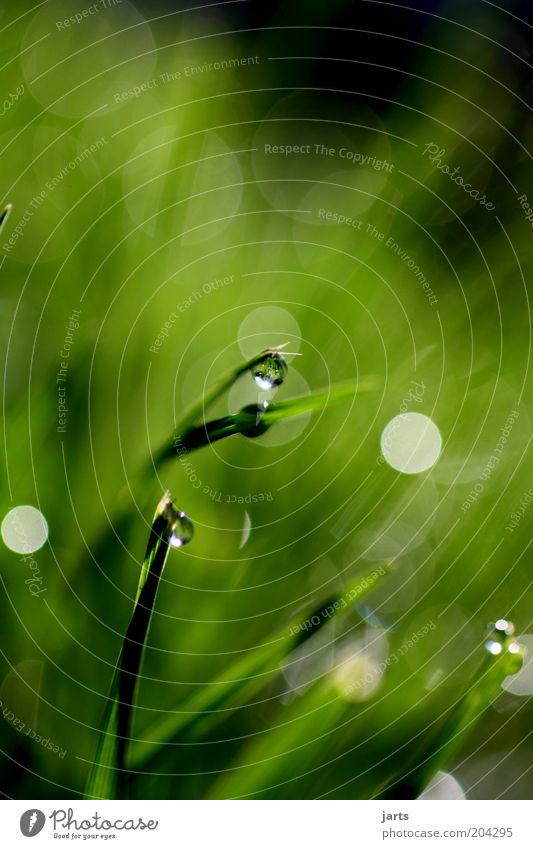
x,y
250,419
270,371
182,532
500,640
494,647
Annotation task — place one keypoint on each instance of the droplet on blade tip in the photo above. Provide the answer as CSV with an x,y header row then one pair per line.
x,y
182,531
270,371
504,626
494,647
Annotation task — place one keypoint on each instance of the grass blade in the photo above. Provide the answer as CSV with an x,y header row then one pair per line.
x,y
245,678
222,386
503,656
108,776
256,419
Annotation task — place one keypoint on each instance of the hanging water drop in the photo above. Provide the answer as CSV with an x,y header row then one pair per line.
x,y
182,531
270,371
251,421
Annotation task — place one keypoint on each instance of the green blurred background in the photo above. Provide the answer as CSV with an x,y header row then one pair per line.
x,y
145,156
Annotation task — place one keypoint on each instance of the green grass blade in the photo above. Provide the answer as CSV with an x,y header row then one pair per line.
x,y
222,386
108,776
254,420
198,410
245,678
503,657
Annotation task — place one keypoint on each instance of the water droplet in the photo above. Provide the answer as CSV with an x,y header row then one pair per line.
x,y
500,641
288,428
182,531
503,626
250,419
494,647
270,371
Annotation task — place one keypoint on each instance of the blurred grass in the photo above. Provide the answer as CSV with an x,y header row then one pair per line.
x,y
123,239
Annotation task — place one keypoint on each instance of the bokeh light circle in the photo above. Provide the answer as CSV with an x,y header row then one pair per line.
x,y
268,326
24,529
521,684
411,443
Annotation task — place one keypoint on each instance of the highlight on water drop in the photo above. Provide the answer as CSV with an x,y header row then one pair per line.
x,y
500,640
270,371
182,531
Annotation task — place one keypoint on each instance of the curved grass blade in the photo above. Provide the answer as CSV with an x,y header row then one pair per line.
x,y
245,678
198,410
256,419
108,776
503,657
223,385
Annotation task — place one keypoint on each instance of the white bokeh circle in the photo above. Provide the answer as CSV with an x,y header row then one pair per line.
x,y
24,529
521,684
268,326
411,443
